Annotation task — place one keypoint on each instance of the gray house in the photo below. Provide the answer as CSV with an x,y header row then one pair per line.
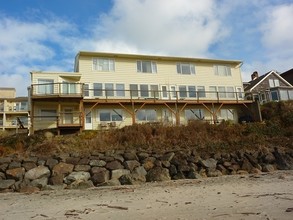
x,y
268,87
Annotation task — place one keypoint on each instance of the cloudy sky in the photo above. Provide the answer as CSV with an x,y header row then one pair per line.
x,y
46,35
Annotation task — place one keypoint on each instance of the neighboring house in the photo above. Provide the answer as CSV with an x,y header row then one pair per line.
x,y
13,110
288,76
268,87
110,90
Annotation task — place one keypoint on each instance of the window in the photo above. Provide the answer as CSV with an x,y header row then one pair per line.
x,y
239,93
144,91
222,70
154,91
98,89
21,106
133,90
146,67
194,114
201,91
274,83
68,88
213,91
45,86
86,91
284,95
103,64
230,92
110,115
120,91
222,91
48,115
182,91
146,115
227,114
109,88
191,91
185,68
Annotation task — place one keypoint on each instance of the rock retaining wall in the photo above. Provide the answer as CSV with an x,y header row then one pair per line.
x,y
75,171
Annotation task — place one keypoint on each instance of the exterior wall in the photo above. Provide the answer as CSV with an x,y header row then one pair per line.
x,y
264,85
7,93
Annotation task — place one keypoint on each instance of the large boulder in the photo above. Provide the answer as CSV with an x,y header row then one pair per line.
x,y
114,165
210,164
6,184
116,174
40,183
16,173
100,177
62,169
37,173
77,176
158,174
131,164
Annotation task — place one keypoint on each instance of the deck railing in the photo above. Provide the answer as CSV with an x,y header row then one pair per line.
x,y
57,89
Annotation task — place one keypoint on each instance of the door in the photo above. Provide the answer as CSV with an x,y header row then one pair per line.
x,y
168,92
88,120
68,116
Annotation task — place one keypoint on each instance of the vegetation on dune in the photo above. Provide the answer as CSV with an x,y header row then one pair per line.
x,y
276,130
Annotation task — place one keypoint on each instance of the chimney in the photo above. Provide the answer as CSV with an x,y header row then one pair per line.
x,y
254,75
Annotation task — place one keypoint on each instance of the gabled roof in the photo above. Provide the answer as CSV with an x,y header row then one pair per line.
x,y
257,81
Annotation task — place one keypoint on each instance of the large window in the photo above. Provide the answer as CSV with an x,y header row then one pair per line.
x,y
86,91
191,91
109,88
133,90
222,91
48,114
182,91
222,70
144,91
227,114
201,91
146,115
103,64
230,92
154,91
110,115
146,66
21,106
68,88
194,114
185,68
213,91
45,86
120,90
98,89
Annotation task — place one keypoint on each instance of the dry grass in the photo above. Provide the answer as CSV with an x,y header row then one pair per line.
x,y
277,130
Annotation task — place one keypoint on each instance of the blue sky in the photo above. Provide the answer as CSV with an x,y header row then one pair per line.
x,y
46,35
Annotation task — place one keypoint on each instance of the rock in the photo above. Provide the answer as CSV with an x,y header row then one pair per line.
x,y
107,158
37,173
116,174
126,180
72,160
246,165
84,161
6,184
168,156
173,170
214,173
2,176
223,170
149,163
114,165
29,165
251,159
16,173
166,164
269,158
95,170
51,163
131,164
30,160
85,168
242,172
142,156
77,176
268,168
62,169
5,160
179,175
227,164
3,167
193,175
183,168
130,156
80,184
40,183
41,162
283,161
139,175
111,182
97,163
179,159
158,174
56,180
119,157
14,164
100,177
210,164
255,171
29,189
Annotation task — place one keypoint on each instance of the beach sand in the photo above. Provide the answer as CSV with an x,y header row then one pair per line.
x,y
264,196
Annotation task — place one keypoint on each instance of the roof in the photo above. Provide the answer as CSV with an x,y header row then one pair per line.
x,y
157,57
254,83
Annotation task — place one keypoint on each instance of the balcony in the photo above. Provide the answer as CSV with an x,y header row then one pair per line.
x,y
49,90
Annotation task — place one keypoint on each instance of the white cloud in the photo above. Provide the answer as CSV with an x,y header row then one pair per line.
x,y
168,27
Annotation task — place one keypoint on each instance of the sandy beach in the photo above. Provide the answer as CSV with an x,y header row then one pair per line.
x,y
264,196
